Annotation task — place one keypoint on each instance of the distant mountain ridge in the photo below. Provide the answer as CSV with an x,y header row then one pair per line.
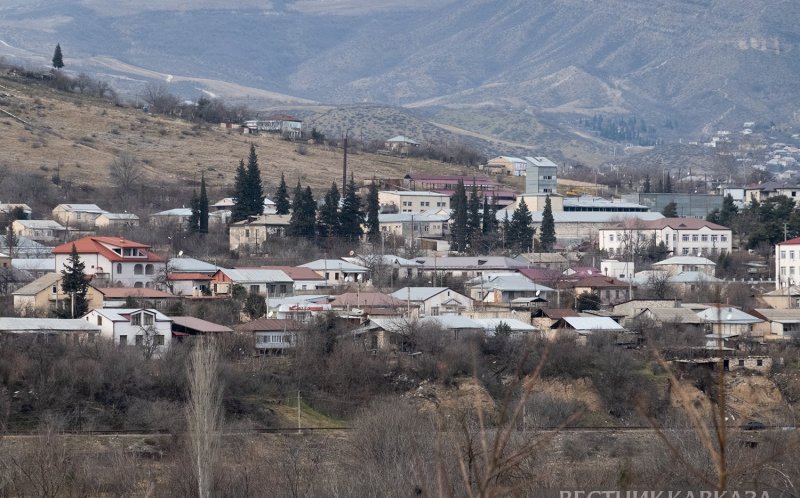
x,y
700,63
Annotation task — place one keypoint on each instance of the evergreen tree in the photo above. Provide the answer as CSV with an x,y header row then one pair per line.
x,y
297,197
239,211
668,184
351,217
489,222
302,223
254,187
459,218
328,216
728,211
203,206
373,210
282,198
474,219
73,284
194,220
670,210
506,228
547,237
58,59
521,231
646,186
660,184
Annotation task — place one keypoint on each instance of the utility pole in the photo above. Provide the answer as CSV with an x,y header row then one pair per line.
x,y
298,412
344,162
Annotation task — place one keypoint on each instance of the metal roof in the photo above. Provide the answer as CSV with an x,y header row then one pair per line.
x,y
255,275
673,315
34,264
190,265
541,161
472,262
116,314
727,315
10,325
202,326
82,208
592,323
413,193
40,224
585,216
508,282
693,277
491,324
44,282
334,264
685,260
418,293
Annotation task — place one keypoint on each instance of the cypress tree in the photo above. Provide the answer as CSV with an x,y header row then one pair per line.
x,y
328,216
255,190
73,284
506,228
489,222
58,59
521,229
239,212
203,206
668,184
373,211
282,198
351,217
474,218
309,212
459,217
194,220
302,223
547,237
646,186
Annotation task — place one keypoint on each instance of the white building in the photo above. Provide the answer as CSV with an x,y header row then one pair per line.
x,y
408,225
507,165
114,261
617,269
72,215
337,271
146,328
414,201
541,176
107,220
434,301
787,263
678,264
39,230
681,236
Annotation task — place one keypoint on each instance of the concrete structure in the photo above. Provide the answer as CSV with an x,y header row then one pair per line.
x,y
181,216
337,271
434,301
726,321
787,263
678,264
114,220
590,203
119,297
114,261
411,226
777,324
39,230
413,201
507,165
148,329
77,330
78,215
14,210
617,269
541,176
681,236
251,234
610,290
400,144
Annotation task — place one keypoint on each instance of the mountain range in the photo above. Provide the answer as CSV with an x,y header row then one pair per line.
x,y
699,64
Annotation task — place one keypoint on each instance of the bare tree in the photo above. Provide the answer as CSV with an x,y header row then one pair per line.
x,y
159,98
203,414
126,172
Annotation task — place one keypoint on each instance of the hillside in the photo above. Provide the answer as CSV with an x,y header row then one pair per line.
x,y
699,63
77,137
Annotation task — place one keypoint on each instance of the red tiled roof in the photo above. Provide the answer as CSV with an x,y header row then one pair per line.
x,y
791,242
94,245
188,276
140,292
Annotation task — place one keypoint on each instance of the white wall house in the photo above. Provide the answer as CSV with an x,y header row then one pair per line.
x,y
114,261
682,237
435,301
414,201
82,215
146,328
39,230
617,269
337,271
787,263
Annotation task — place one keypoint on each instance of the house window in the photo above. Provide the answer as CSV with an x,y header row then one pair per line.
x,y
138,269
123,340
714,238
99,320
136,319
119,268
247,232
685,251
694,238
759,363
611,238
741,363
783,254
149,269
158,340
254,289
704,238
139,340
55,289
723,238
791,254
148,319
685,238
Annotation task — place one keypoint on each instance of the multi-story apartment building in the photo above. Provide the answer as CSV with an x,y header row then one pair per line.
x,y
787,263
414,201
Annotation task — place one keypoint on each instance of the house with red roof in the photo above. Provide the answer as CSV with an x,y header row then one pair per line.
x,y
681,236
787,263
114,261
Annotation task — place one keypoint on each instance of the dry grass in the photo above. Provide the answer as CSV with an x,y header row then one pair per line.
x,y
83,134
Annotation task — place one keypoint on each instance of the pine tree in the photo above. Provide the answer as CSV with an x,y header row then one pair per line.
x,y
193,223
668,184
73,284
58,59
302,223
521,230
373,212
506,229
239,211
459,217
255,190
728,211
489,222
297,197
547,237
203,206
328,216
351,217
670,210
474,218
282,198
646,186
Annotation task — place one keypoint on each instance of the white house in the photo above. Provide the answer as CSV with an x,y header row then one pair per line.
x,y
114,261
413,201
678,264
787,263
681,236
338,271
113,220
434,301
272,336
262,281
617,269
146,328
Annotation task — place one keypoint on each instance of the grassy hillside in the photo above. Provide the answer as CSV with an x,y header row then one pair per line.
x,y
76,137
